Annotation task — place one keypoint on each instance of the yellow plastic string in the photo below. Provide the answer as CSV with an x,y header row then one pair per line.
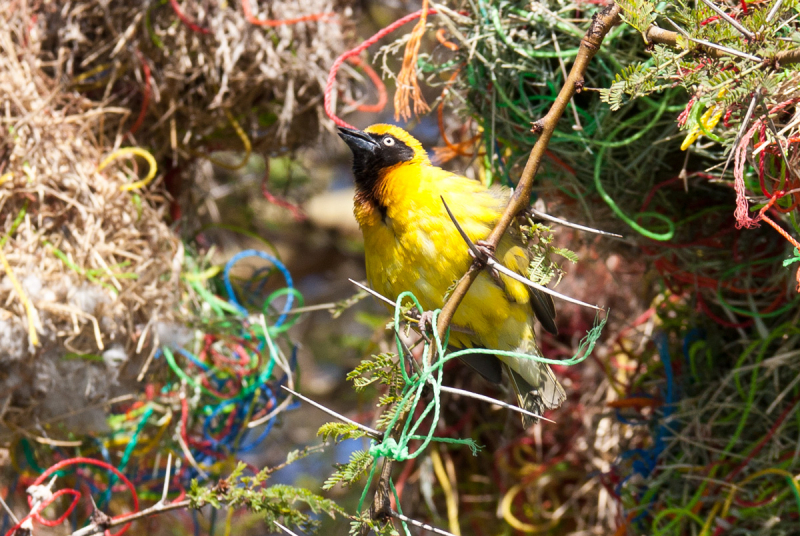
x,y
6,177
708,121
156,441
79,82
206,274
136,151
228,520
771,470
30,311
450,498
511,519
248,148
711,517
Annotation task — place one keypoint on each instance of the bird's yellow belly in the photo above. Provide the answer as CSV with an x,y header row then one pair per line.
x,y
428,262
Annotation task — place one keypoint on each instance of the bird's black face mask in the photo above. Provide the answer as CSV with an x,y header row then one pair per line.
x,y
373,153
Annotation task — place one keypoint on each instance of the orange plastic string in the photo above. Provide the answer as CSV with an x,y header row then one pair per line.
x,y
330,85
451,150
443,40
248,14
407,84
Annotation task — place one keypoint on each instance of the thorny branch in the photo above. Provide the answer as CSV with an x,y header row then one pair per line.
x,y
601,24
654,34
159,508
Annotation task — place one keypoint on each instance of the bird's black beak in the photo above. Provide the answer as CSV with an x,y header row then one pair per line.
x,y
358,141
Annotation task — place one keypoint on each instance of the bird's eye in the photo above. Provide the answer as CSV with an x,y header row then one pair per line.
x,y
388,141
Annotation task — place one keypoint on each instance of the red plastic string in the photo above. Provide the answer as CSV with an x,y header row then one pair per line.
x,y
762,137
726,119
329,86
703,308
73,503
184,419
788,237
744,6
36,512
296,211
741,213
684,115
186,20
145,93
709,20
248,14
767,437
376,81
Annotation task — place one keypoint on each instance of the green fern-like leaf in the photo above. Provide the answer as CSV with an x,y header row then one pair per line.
x,y
349,473
380,528
640,14
567,254
339,431
387,416
378,368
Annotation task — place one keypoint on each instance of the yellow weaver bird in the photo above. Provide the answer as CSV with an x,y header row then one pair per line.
x,y
412,245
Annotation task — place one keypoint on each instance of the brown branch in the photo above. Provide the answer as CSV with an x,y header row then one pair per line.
x,y
654,34
602,22
158,508
381,504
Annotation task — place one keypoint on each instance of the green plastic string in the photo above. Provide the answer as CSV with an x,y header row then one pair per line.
x,y
289,321
400,508
267,373
661,237
527,52
17,221
430,374
134,440
170,357
791,305
219,306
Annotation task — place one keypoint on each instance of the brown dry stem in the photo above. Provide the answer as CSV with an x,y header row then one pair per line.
x,y
602,23
655,34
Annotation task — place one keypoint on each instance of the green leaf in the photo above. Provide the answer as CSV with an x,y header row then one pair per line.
x,y
349,473
339,431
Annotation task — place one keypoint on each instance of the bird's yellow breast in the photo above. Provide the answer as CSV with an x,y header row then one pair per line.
x,y
412,245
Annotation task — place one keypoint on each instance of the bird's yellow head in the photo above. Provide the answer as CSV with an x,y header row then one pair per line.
x,y
379,149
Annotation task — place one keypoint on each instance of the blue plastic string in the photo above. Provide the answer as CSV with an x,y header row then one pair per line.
x,y
226,275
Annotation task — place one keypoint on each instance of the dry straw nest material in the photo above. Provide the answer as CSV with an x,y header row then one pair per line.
x,y
95,268
87,264
195,76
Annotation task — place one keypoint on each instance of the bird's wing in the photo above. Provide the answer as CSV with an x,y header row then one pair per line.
x,y
548,394
545,310
486,365
477,210
515,257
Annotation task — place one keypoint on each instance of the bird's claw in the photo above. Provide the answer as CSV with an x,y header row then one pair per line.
x,y
485,250
425,321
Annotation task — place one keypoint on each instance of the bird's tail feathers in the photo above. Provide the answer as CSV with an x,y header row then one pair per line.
x,y
549,395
